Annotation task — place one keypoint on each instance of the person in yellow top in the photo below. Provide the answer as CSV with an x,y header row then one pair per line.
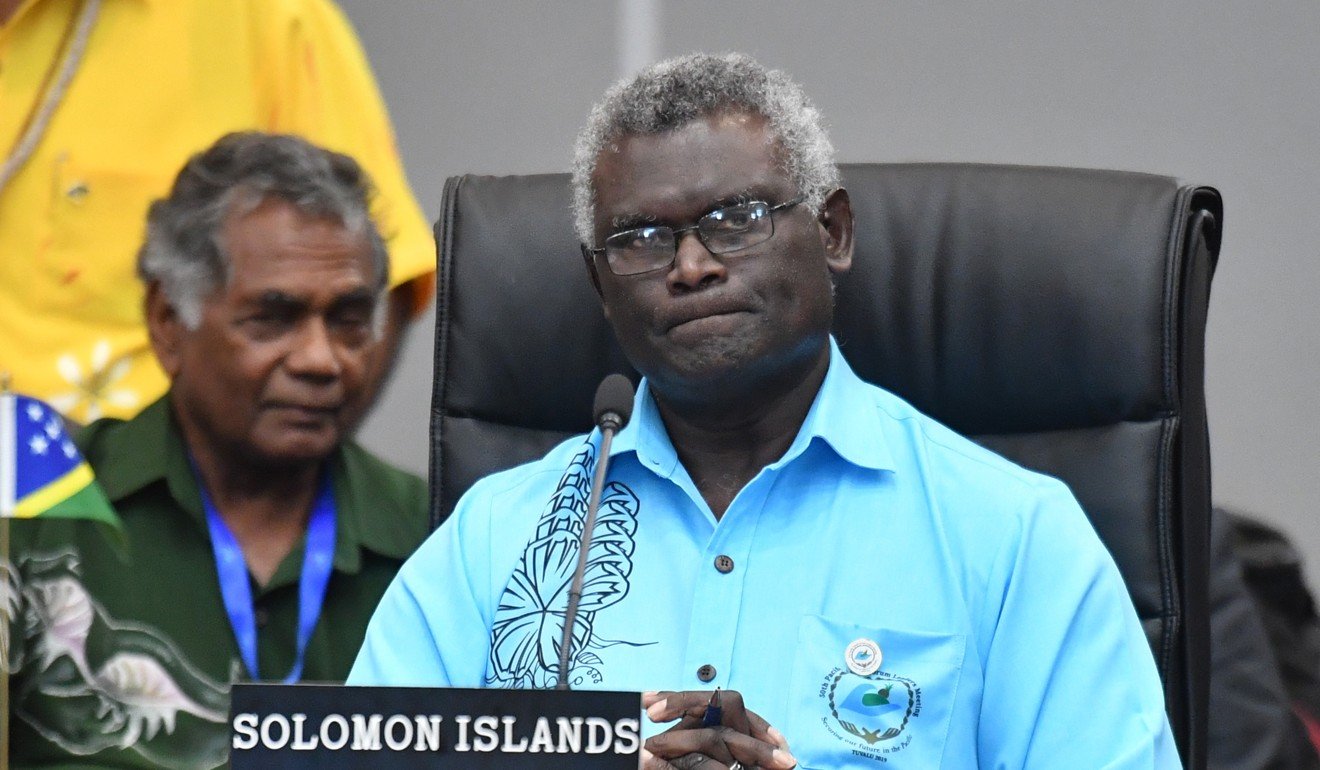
x,y
101,101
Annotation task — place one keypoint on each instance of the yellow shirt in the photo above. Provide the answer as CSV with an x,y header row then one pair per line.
x,y
160,80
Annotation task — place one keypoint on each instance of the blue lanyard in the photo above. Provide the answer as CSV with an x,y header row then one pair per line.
x,y
236,588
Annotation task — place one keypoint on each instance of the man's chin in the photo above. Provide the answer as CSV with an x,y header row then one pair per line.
x,y
296,448
727,369
707,356
700,374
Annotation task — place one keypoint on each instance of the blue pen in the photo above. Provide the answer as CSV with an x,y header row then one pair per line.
x,y
713,713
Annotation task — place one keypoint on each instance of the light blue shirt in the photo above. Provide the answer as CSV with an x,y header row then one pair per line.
x,y
1004,634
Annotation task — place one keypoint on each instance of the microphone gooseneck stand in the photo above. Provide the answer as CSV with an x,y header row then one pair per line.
x,y
613,407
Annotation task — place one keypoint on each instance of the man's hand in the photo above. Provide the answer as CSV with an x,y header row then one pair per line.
x,y
742,740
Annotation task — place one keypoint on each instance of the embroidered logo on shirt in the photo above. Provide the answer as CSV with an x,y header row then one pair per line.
x,y
871,713
529,623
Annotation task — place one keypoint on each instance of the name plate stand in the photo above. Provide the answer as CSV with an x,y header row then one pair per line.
x,y
320,726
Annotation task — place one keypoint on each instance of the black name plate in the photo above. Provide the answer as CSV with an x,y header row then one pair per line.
x,y
310,725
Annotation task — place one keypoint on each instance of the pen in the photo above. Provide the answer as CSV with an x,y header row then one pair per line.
x,y
713,713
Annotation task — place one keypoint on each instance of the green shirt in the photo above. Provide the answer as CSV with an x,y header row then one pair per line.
x,y
123,653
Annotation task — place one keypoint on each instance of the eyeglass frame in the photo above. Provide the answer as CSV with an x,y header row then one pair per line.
x,y
589,253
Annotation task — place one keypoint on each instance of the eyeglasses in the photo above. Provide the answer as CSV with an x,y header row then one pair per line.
x,y
727,229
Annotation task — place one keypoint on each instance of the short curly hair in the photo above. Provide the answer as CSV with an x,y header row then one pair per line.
x,y
677,91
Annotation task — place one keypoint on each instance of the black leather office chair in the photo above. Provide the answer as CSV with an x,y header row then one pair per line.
x,y
1054,315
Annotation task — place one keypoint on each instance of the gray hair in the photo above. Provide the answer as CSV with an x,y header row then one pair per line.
x,y
675,92
183,250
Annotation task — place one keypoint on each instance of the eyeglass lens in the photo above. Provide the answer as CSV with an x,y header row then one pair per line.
x,y
721,231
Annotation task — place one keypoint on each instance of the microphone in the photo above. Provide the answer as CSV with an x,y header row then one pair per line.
x,y
610,410
613,404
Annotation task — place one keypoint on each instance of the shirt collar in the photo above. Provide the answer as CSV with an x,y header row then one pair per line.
x,y
844,416
142,451
645,435
150,449
372,513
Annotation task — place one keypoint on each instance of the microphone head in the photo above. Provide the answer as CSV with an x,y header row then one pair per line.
x,y
614,402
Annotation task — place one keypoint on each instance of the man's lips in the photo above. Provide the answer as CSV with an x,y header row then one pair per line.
x,y
314,410
698,312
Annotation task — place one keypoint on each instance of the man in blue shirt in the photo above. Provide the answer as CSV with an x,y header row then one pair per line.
x,y
865,586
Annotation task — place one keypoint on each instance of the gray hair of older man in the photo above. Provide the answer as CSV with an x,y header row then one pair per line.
x,y
184,251
675,92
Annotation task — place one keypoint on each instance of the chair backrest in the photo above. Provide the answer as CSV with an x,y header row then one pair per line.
x,y
1054,315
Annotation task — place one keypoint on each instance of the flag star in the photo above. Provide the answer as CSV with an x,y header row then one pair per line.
x,y
35,413
70,451
53,429
38,444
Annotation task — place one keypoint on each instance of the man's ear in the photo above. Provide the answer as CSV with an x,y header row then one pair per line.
x,y
165,329
836,224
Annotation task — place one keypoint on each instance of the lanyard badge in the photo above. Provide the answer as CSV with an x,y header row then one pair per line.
x,y
236,586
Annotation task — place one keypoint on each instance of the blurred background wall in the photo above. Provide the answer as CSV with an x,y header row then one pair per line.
x,y
1223,93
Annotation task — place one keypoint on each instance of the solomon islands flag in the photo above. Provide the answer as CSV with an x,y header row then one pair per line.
x,y
41,471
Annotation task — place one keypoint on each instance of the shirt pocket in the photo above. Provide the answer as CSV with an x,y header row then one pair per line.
x,y
864,697
98,219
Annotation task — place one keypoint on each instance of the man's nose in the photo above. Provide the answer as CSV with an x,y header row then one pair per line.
x,y
694,264
314,353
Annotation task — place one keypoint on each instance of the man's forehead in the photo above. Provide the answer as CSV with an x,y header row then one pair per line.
x,y
276,248
275,220
700,161
277,228
303,280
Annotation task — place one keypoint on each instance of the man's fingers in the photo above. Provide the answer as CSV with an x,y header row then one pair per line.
x,y
688,762
652,762
761,730
688,707
735,712
666,706
675,746
720,744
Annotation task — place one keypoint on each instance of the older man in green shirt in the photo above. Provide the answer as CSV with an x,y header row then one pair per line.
x,y
258,536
